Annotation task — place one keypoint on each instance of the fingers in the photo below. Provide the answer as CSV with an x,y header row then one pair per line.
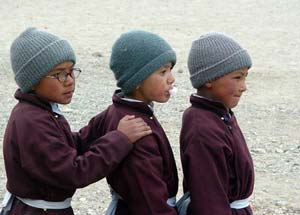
x,y
141,124
142,131
144,128
132,120
135,120
134,128
128,117
140,127
145,132
140,134
147,128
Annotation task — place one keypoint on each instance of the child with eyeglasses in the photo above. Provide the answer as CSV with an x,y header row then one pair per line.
x,y
44,160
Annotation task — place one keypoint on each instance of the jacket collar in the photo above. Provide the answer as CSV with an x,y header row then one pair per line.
x,y
33,99
119,99
210,105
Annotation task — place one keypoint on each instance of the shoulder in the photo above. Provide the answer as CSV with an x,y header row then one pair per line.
x,y
35,125
151,144
28,112
28,116
203,128
203,120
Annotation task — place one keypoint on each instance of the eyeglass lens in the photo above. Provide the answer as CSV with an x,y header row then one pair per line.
x,y
62,76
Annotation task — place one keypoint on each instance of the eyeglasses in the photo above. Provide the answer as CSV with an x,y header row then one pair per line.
x,y
63,74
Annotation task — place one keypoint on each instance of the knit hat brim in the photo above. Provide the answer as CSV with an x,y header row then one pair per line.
x,y
238,60
147,70
43,62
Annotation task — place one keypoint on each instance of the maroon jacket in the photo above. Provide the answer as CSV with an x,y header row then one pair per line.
x,y
216,162
45,160
148,175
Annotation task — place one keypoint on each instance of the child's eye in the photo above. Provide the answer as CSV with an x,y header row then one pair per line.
x,y
163,72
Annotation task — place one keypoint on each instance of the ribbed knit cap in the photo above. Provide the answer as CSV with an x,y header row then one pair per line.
x,y
34,53
136,55
214,55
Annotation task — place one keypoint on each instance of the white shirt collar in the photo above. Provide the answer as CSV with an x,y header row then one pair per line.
x,y
55,108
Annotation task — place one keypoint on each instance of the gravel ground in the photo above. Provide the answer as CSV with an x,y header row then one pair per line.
x,y
268,113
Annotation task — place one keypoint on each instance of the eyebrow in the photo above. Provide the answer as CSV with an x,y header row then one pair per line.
x,y
167,66
242,73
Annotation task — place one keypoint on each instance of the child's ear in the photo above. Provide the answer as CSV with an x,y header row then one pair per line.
x,y
208,84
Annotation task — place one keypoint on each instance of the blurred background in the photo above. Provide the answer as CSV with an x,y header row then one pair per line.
x,y
268,113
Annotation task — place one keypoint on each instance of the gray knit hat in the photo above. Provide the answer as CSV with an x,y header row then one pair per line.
x,y
214,55
136,55
34,53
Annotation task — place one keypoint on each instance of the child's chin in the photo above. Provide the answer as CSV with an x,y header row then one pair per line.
x,y
163,100
66,102
233,105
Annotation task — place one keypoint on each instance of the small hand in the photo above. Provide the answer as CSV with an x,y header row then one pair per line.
x,y
133,128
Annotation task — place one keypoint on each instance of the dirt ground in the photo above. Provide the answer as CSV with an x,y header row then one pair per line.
x,y
268,113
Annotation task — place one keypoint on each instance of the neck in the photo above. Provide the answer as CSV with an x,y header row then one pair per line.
x,y
204,92
137,95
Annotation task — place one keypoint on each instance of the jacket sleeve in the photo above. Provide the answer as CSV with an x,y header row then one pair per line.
x,y
52,158
139,180
85,137
206,172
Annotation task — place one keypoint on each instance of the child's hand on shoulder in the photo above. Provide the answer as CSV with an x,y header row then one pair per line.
x,y
133,128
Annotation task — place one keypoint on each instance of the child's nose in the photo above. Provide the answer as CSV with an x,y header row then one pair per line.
x,y
69,80
171,78
243,87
